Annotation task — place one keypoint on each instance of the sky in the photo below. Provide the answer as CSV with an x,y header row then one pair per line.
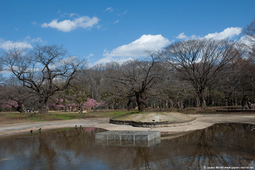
x,y
118,30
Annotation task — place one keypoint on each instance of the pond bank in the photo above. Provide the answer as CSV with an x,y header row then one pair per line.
x,y
202,121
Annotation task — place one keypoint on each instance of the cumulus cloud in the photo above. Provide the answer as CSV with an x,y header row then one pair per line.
x,y
247,41
112,59
135,49
69,25
26,43
182,36
139,47
6,45
226,33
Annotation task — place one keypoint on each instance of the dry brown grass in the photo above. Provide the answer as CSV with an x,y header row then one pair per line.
x,y
149,117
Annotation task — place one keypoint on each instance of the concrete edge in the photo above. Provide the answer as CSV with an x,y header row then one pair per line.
x,y
152,124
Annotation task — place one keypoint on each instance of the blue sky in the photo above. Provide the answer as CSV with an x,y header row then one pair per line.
x,y
106,30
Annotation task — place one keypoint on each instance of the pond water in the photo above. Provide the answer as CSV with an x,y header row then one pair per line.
x,y
221,145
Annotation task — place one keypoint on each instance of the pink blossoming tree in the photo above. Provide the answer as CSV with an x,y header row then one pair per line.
x,y
92,103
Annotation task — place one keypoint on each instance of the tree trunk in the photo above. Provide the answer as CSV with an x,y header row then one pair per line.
x,y
197,102
65,108
42,105
141,100
200,94
130,104
160,105
202,102
42,109
20,109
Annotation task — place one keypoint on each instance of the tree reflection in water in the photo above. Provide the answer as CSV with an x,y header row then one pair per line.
x,y
229,145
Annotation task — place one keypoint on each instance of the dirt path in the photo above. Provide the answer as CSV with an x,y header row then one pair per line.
x,y
203,121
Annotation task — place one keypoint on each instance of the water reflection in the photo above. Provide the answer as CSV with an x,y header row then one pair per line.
x,y
228,145
128,143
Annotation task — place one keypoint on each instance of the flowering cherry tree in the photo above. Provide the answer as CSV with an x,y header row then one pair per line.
x,y
58,104
92,103
15,105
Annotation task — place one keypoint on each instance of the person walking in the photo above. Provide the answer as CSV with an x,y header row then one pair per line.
x,y
243,104
249,105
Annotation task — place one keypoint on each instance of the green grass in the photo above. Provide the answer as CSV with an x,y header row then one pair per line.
x,y
14,117
64,116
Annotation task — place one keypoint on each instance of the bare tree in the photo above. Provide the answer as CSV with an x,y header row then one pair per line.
x,y
250,30
44,70
14,95
135,78
200,62
1,75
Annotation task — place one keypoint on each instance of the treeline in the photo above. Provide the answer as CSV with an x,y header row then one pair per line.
x,y
196,72
191,73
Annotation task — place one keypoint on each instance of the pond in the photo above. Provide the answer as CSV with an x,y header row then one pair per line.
x,y
221,145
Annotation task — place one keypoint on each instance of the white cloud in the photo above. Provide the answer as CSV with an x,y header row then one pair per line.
x,y
226,33
193,37
120,14
5,71
115,22
109,9
66,60
90,55
135,49
125,12
39,39
181,36
247,41
139,47
69,25
26,43
10,44
73,14
112,59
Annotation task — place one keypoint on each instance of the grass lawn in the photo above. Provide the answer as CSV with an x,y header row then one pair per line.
x,y
16,117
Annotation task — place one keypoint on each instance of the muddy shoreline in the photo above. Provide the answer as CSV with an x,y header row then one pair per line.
x,y
202,121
